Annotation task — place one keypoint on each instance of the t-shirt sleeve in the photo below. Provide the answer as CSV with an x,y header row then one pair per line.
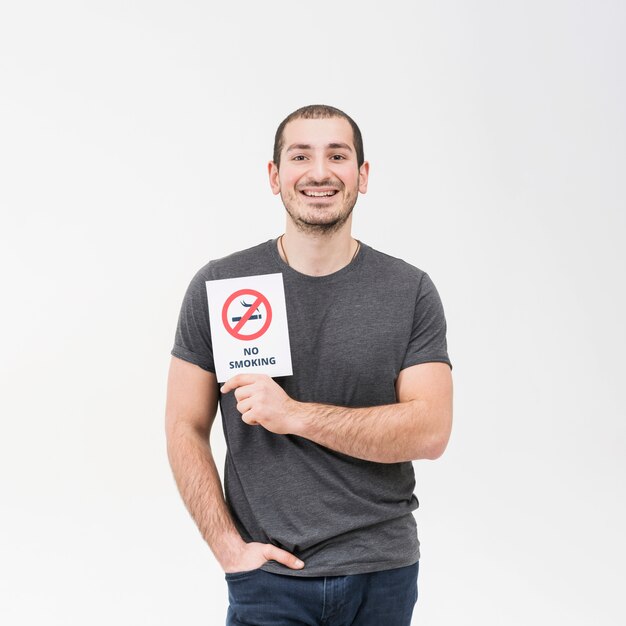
x,y
192,341
428,334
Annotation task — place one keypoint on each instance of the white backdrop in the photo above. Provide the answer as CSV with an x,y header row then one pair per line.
x,y
133,146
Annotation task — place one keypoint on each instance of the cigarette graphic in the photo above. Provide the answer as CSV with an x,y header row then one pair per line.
x,y
252,317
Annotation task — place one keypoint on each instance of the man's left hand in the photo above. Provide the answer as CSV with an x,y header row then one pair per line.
x,y
260,400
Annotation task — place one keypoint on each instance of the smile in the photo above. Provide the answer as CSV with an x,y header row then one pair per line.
x,y
319,194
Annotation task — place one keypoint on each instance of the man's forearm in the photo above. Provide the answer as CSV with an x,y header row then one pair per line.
x,y
200,486
386,434
416,427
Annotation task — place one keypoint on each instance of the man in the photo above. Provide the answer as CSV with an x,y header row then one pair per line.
x,y
316,526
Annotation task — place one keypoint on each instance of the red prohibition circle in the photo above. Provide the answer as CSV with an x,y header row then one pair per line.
x,y
234,330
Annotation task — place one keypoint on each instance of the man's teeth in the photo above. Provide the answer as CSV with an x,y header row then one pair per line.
x,y
318,194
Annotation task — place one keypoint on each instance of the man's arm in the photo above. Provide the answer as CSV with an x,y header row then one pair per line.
x,y
417,426
190,411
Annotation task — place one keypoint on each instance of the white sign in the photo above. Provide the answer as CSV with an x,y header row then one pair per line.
x,y
249,326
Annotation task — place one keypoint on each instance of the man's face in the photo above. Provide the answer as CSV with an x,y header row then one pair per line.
x,y
319,178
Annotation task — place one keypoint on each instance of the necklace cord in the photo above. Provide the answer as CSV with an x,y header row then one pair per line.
x,y
282,247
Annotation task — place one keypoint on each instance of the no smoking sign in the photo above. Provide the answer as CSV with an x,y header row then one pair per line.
x,y
249,329
247,321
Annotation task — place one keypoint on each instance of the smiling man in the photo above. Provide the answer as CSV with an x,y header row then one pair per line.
x,y
316,525
318,181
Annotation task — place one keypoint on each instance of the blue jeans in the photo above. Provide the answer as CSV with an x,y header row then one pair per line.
x,y
260,598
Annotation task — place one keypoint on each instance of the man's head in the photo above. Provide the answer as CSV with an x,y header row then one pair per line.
x,y
318,167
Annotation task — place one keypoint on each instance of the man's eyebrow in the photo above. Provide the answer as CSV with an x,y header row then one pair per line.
x,y
299,146
306,146
340,146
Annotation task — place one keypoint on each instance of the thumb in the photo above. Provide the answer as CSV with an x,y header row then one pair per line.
x,y
282,556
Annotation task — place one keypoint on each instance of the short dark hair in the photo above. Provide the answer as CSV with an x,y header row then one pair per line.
x,y
316,112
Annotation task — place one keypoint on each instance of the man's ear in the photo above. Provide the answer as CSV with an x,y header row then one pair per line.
x,y
272,170
364,172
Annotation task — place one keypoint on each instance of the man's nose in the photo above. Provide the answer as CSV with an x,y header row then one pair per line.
x,y
319,169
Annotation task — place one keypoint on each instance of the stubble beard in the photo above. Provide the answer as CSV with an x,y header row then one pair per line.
x,y
306,223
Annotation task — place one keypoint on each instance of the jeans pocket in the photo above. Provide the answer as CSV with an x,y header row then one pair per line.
x,y
239,575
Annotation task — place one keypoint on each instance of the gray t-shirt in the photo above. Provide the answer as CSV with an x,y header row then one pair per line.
x,y
351,332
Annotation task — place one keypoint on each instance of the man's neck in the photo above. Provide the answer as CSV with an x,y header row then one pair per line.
x,y
317,254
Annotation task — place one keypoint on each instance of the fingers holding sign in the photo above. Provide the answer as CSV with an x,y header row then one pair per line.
x,y
261,401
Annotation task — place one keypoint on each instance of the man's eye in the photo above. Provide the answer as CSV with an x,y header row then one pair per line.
x,y
298,157
338,157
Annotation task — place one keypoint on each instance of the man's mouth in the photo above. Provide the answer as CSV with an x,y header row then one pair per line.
x,y
318,193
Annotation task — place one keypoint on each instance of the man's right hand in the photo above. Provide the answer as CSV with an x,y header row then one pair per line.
x,y
254,554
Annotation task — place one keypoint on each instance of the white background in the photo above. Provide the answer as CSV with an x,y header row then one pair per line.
x,y
134,138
